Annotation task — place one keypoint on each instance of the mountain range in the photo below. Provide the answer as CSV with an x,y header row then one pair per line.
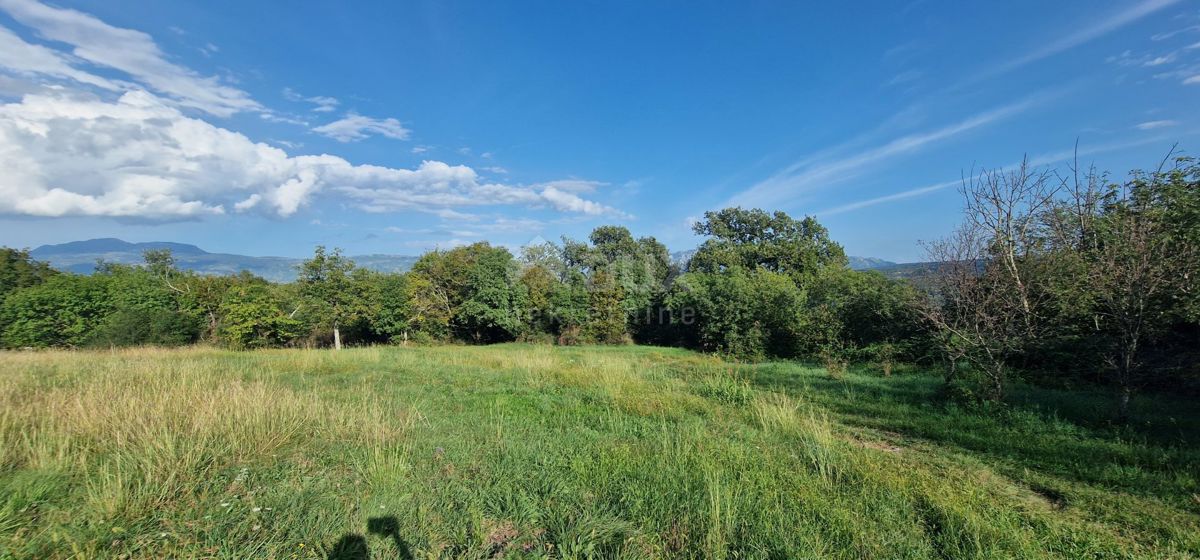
x,y
81,257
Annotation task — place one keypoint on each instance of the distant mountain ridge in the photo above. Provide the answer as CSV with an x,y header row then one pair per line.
x,y
81,256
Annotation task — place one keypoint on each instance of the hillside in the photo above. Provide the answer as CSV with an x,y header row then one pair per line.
x,y
555,452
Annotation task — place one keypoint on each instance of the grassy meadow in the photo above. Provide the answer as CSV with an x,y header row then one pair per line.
x,y
527,451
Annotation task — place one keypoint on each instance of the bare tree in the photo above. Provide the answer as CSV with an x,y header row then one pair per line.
x,y
972,309
1006,207
985,297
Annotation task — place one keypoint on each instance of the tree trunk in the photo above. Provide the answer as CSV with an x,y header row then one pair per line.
x,y
337,338
950,373
1123,404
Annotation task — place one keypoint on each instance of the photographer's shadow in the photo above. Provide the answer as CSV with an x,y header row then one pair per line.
x,y
353,546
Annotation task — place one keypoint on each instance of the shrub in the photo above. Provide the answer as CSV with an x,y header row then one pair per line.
x,y
132,327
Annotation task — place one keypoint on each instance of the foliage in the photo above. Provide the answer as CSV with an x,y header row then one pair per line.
x,y
470,292
326,282
606,321
64,310
133,327
749,239
748,314
251,317
19,270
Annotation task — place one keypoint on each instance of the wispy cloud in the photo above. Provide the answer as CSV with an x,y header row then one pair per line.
x,y
810,173
1044,159
1084,34
129,51
1168,34
323,103
888,198
1151,125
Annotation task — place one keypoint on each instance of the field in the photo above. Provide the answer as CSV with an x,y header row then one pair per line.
x,y
537,451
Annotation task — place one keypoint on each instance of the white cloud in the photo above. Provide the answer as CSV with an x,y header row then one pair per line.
x,y
72,154
324,104
1160,60
1151,125
496,169
27,58
1192,80
420,149
571,202
129,51
574,185
355,127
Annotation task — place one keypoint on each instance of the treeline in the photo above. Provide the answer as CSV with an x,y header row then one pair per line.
x,y
762,285
1061,279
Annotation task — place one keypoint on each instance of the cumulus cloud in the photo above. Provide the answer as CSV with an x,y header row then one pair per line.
x,y
126,50
139,156
355,127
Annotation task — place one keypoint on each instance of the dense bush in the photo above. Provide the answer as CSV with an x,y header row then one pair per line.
x,y
133,327
62,311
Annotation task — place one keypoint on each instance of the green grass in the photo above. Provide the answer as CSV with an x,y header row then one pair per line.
x,y
537,451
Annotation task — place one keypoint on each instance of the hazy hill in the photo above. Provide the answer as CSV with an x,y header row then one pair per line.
x,y
81,257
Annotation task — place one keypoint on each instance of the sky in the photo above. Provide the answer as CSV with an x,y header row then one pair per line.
x,y
265,128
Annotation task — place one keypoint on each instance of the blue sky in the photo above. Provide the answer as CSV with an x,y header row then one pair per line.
x,y
266,128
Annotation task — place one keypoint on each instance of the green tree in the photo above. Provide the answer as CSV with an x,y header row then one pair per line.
x,y
739,312
639,267
493,304
326,281
469,292
606,322
392,313
62,311
776,242
19,270
251,317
